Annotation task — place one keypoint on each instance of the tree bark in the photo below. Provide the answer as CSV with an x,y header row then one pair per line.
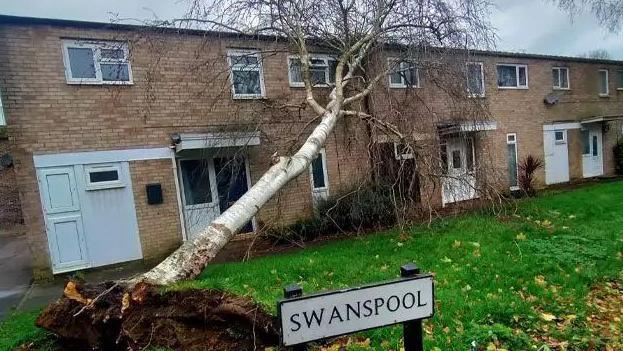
x,y
193,256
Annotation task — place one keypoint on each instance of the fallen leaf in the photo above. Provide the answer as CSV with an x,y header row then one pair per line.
x,y
521,236
548,317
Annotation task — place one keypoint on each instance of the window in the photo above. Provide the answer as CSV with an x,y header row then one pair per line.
x,y
475,79
403,74
511,146
604,90
403,151
595,146
620,79
319,171
512,76
96,62
559,137
586,144
560,78
103,177
246,74
322,70
456,159
196,182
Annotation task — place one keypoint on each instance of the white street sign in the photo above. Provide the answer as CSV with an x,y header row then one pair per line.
x,y
314,317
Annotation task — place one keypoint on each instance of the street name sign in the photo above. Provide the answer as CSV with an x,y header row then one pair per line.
x,y
313,317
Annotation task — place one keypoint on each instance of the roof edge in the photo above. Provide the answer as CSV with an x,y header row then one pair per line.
x,y
24,20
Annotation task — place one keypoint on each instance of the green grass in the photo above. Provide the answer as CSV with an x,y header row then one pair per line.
x,y
495,276
19,328
492,285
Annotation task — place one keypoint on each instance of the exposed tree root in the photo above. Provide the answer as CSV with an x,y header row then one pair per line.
x,y
106,317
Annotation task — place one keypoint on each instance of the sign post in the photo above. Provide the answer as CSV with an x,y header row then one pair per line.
x,y
319,316
412,331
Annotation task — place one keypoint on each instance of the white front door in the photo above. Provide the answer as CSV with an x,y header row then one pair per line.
x,y
199,194
592,151
556,156
63,219
459,184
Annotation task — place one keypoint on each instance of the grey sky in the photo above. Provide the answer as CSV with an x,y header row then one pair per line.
x,y
533,26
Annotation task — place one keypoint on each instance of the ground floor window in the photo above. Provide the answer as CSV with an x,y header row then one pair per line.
x,y
511,146
319,177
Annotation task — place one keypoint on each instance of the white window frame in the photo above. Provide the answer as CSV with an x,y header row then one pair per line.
x,y
96,46
558,86
482,79
514,142
607,93
403,156
327,72
517,66
325,173
564,136
88,169
391,62
260,68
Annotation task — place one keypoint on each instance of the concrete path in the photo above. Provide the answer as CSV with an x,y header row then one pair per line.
x,y
15,271
19,293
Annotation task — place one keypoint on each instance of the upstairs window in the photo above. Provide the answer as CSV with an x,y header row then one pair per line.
x,y
620,79
604,89
560,76
321,69
403,74
96,62
475,79
512,76
247,79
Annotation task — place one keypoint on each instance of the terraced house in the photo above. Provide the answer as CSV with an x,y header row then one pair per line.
x,y
128,140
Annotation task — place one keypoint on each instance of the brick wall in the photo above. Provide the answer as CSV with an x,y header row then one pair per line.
x,y
181,86
159,225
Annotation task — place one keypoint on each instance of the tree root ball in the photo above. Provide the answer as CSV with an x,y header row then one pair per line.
x,y
107,317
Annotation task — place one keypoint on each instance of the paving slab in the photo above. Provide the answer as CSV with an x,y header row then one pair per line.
x,y
41,294
15,271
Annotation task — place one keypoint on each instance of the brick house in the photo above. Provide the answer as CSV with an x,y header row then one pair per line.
x,y
128,140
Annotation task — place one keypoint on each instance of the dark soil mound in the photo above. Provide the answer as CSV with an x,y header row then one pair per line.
x,y
106,317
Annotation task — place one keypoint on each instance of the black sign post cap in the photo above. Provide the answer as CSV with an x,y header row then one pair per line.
x,y
409,270
292,291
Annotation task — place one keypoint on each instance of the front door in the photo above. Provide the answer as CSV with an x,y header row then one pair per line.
x,y
63,219
199,194
592,151
459,184
556,156
231,179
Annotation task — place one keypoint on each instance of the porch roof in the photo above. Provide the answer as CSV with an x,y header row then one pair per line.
x,y
191,141
605,118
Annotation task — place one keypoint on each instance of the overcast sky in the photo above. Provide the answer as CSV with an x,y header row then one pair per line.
x,y
532,26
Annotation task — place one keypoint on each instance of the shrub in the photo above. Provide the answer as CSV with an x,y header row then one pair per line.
x,y
363,208
618,158
527,167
